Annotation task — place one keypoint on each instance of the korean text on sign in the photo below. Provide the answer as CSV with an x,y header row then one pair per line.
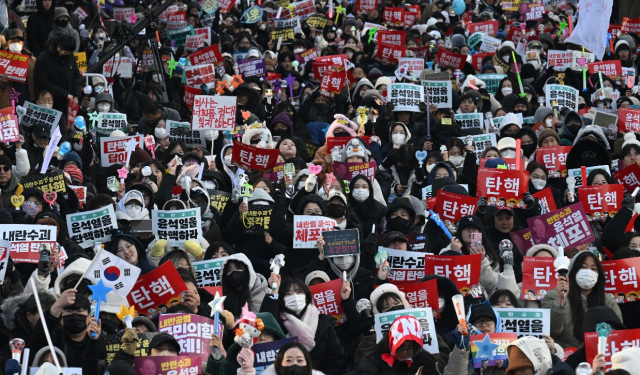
x,y
525,322
422,295
114,149
14,66
463,270
622,280
208,272
567,227
214,112
192,331
252,157
307,229
405,96
539,276
87,228
328,300
616,341
177,226
38,114
601,201
629,177
406,267
383,323
158,288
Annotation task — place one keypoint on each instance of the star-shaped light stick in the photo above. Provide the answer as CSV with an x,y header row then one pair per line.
x,y
290,81
340,9
133,18
221,86
122,174
13,96
98,293
93,117
236,81
126,315
172,65
216,307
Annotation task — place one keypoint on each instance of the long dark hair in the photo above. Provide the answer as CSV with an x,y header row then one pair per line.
x,y
284,288
498,296
280,357
595,298
235,298
488,247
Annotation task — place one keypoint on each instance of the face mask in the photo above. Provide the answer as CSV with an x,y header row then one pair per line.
x,y
508,154
15,47
104,107
99,89
295,302
441,303
281,133
237,278
261,203
398,223
586,279
335,210
298,50
457,160
47,105
360,195
321,109
548,122
64,58
398,139
600,105
160,133
74,323
132,210
77,147
535,63
263,27
62,23
208,135
505,58
294,370
529,149
227,160
243,49
156,78
396,308
344,262
506,91
430,167
538,183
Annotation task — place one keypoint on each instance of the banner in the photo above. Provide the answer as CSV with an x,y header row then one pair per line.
x,y
538,277
214,113
438,93
114,149
209,55
87,228
45,182
503,187
257,219
628,177
114,344
177,226
327,298
622,282
628,120
610,68
463,270
37,114
469,120
422,295
9,131
478,342
407,267
158,289
116,273
181,131
308,228
546,199
14,66
554,159
250,157
347,171
451,207
405,96
168,365
601,201
266,352
565,96
616,341
525,322
209,272
193,333
567,227
341,242
383,323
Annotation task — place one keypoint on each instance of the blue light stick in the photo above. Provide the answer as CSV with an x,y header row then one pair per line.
x,y
436,218
98,293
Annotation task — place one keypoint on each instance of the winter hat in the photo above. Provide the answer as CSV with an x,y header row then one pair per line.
x,y
260,195
161,338
534,250
501,35
138,156
73,156
342,122
404,328
509,119
60,12
316,275
146,321
529,352
374,74
75,173
497,163
393,236
283,118
482,310
630,139
120,367
117,133
621,45
384,289
356,147
626,359
458,41
506,143
4,160
548,133
48,368
5,216
383,81
486,67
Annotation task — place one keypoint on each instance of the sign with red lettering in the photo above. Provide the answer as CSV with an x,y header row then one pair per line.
x,y
560,59
630,25
421,295
503,187
447,58
545,197
209,55
347,171
198,75
328,299
488,27
554,159
609,68
275,174
629,177
567,227
160,287
538,277
622,281
451,207
463,270
308,228
340,142
114,149
600,201
250,157
629,120
214,112
14,66
616,341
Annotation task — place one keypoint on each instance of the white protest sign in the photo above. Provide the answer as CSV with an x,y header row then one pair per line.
x,y
405,96
307,229
177,226
5,249
383,323
407,267
114,149
577,173
589,57
37,114
283,23
182,131
209,272
490,44
123,67
481,142
214,112
566,96
491,81
413,64
469,120
525,322
439,93
87,228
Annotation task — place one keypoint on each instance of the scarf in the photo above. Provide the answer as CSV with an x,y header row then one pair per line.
x,y
305,329
390,359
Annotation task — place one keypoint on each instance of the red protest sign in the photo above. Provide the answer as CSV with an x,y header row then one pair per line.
x,y
538,277
304,8
162,286
630,25
488,27
28,251
389,52
14,66
622,281
476,60
447,58
502,183
463,270
545,197
613,29
422,295
347,171
209,55
9,131
554,159
600,201
629,177
616,341
394,16
225,6
366,5
332,83
340,142
253,157
177,20
421,52
451,207
328,299
190,94
538,128
392,38
628,120
567,227
610,68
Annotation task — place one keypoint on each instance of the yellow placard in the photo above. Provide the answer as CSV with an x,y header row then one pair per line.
x,y
81,60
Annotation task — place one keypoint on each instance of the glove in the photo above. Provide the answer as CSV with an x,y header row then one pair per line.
x,y
193,248
388,113
12,367
462,342
157,248
310,183
245,360
419,175
507,257
366,323
482,205
529,200
629,202
423,107
371,244
130,341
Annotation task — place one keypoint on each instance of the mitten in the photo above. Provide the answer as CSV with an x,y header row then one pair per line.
x,y
130,341
310,183
193,248
157,248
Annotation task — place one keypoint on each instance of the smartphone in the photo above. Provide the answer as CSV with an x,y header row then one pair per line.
x,y
476,238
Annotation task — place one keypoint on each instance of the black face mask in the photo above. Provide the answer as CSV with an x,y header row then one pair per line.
x,y
64,58
321,109
243,49
61,23
74,323
294,370
176,81
335,210
396,308
529,149
281,133
238,278
398,223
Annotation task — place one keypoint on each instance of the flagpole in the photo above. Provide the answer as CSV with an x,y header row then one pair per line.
x,y
88,268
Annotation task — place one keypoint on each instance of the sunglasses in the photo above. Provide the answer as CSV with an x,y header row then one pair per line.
x,y
588,154
4,168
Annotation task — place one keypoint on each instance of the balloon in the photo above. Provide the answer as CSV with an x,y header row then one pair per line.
x,y
458,7
79,122
64,148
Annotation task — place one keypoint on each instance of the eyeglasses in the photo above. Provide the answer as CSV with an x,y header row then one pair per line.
x,y
408,349
480,323
467,101
589,154
5,168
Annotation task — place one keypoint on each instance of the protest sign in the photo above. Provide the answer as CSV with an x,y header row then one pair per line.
x,y
37,114
308,228
14,66
181,131
81,194
219,200
577,173
347,171
341,242
266,352
123,14
214,113
545,197
366,5
463,270
525,322
629,120
383,323
622,281
257,219
9,131
198,75
306,55
567,227
616,341
451,207
502,187
605,119
193,42
446,58
108,122
341,142
327,298
522,240
492,81
287,34
45,182
609,68
276,174
630,25
332,83
193,332
413,65
177,226
495,122
294,22
209,55
118,66
89,227
490,44
250,157
488,27
405,96
601,201
168,365
422,295
317,21
629,177
304,8
554,159
180,35
469,120
190,94
566,96
394,16
81,60
475,39
252,68
26,251
531,11
114,149
156,290
482,142
538,277
478,342
115,273
438,93
478,58
407,267
417,241
177,20
560,59
114,344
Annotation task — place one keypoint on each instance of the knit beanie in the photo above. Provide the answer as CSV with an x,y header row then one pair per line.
x,y
139,156
76,174
4,160
545,134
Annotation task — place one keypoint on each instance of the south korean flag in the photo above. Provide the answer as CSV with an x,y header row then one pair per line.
x,y
114,272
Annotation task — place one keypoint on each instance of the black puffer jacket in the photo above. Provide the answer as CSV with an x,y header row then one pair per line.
x,y
374,365
370,211
58,77
40,25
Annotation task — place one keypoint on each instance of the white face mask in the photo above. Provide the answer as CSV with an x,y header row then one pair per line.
x,y
263,27
441,303
298,50
505,58
430,167
156,78
548,122
506,91
360,195
47,105
160,133
457,160
600,105
227,160
15,47
132,210
344,262
104,107
398,139
295,302
508,153
538,183
586,279
99,89
535,63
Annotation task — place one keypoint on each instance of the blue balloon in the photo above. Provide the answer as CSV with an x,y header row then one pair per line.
x,y
79,122
458,7
65,147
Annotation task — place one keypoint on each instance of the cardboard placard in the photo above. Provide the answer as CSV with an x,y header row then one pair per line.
x,y
341,242
37,114
407,267
422,295
463,270
81,194
327,298
26,251
554,159
182,131
209,272
605,119
306,55
503,187
629,177
198,75
347,171
158,289
492,81
525,322
488,27
383,323
168,365
308,228
610,68
121,66
45,182
629,120
447,58
252,68
180,35
250,157
566,96
214,113
114,149
522,240
470,120
601,201
545,197
276,174
219,199
622,281
89,227
438,93
114,344
567,227
266,352
177,226
577,173
539,276
209,55
405,96
257,219
481,142
452,207
14,66
193,333
9,131
616,341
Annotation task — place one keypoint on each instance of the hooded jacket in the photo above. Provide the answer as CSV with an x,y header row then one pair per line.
x,y
401,202
258,285
566,133
40,25
301,147
143,262
121,213
76,268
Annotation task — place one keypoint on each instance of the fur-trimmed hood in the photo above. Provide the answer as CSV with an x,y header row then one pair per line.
x,y
387,288
542,247
250,133
10,308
